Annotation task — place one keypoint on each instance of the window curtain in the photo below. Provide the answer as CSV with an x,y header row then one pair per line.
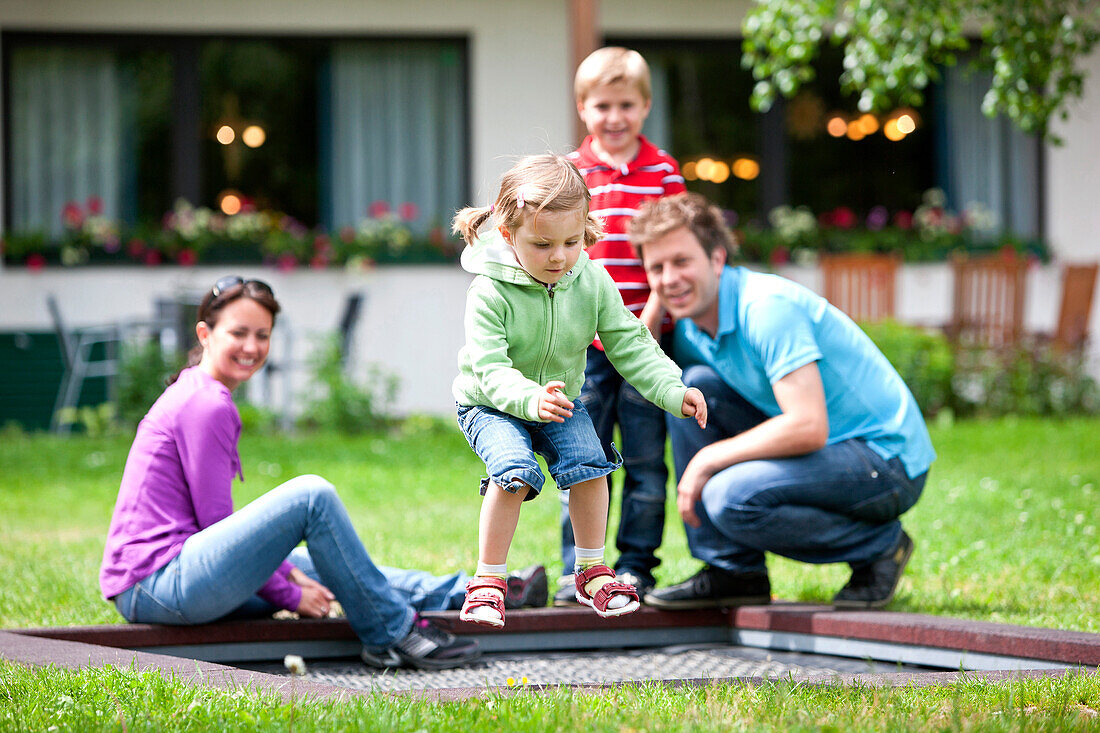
x,y
985,160
658,126
396,119
67,134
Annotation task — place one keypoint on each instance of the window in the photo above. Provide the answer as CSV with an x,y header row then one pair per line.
x,y
325,131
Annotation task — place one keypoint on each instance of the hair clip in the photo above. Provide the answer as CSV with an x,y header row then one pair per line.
x,y
519,198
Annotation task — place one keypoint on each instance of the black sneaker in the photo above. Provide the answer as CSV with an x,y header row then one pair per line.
x,y
873,586
425,647
566,595
640,583
527,588
713,588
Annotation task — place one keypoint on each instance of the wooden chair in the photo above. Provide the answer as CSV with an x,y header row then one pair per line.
x,y
1078,284
989,299
861,285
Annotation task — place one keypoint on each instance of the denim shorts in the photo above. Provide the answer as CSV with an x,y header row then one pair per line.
x,y
508,446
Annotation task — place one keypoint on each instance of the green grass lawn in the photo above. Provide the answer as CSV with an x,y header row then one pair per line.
x,y
1006,531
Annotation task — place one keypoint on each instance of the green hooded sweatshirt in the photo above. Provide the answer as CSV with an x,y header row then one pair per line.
x,y
521,334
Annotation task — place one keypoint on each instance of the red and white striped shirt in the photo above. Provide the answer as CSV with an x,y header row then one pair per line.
x,y
617,194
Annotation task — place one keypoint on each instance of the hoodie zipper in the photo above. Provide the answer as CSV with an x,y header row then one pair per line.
x,y
550,333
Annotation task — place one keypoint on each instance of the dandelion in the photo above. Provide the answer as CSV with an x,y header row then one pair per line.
x,y
294,664
511,681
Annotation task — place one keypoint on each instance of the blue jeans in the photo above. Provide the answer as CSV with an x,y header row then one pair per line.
x,y
610,399
219,569
837,504
508,446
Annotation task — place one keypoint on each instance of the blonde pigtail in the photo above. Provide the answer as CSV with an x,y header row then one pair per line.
x,y
468,222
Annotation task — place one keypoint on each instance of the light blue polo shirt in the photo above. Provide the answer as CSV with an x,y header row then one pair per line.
x,y
769,326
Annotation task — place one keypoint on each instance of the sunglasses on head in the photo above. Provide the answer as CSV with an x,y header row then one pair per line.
x,y
231,281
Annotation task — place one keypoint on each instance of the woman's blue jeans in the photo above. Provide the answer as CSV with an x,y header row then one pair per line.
x,y
218,570
837,504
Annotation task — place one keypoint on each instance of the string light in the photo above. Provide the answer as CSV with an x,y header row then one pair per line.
x,y
253,136
836,126
229,203
225,135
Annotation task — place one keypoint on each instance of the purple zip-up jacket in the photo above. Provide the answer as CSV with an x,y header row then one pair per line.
x,y
177,481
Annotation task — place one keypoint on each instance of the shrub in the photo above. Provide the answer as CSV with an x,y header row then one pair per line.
x,y
922,357
964,379
341,403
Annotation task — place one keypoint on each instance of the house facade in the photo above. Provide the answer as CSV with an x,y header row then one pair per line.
x,y
327,110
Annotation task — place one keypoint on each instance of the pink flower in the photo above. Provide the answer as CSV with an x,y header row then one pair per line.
x,y
151,258
95,205
187,257
408,211
779,256
378,209
319,261
903,220
111,244
286,262
35,262
322,244
72,216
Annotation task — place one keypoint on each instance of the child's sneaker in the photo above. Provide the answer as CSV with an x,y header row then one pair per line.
x,y
566,595
527,588
426,646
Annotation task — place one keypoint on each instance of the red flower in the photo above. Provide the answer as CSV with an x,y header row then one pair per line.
x,y
378,209
844,217
35,262
135,248
322,244
827,218
779,256
319,261
151,258
903,220
408,211
95,205
187,257
286,262
72,216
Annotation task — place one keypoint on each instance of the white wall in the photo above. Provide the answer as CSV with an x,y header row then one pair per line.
x,y
1073,176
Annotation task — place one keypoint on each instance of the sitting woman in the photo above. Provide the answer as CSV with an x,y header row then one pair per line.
x,y
177,553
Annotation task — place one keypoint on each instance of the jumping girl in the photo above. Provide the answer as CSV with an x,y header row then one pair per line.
x,y
536,304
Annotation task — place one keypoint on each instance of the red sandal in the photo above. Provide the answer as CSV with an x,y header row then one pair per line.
x,y
479,592
615,588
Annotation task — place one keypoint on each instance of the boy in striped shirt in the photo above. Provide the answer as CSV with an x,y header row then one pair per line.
x,y
623,170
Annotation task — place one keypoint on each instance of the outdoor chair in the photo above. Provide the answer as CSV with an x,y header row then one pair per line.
x,y
989,294
86,353
861,285
281,367
1078,284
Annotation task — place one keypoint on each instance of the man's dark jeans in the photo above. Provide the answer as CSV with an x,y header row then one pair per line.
x,y
838,504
